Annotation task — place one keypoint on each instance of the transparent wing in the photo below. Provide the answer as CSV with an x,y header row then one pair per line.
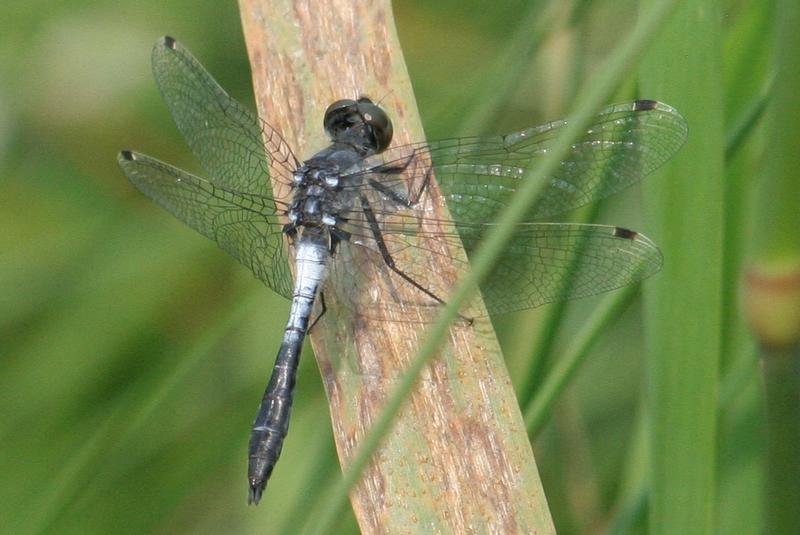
x,y
243,224
549,262
402,242
479,175
227,138
543,263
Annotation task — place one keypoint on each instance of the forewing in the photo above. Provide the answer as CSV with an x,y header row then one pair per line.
x,y
227,138
243,224
479,175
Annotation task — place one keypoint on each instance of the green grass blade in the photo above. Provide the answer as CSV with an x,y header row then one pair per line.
x,y
772,284
125,420
568,364
683,305
511,66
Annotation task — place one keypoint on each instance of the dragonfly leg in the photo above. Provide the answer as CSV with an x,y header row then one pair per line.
x,y
405,200
337,236
387,256
290,229
321,313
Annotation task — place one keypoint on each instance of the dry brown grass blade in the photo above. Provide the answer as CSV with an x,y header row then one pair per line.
x,y
458,456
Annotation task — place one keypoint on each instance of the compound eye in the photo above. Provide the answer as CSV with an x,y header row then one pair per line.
x,y
378,121
337,115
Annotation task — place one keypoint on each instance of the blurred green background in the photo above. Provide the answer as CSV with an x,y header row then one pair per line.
x,y
133,352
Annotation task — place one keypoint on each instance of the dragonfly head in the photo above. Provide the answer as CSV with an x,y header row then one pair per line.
x,y
360,123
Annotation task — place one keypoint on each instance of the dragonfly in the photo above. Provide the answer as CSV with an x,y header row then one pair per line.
x,y
362,210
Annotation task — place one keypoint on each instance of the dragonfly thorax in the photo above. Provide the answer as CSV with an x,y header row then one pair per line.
x,y
308,175
316,200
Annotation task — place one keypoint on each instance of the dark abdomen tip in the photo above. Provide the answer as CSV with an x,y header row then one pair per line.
x,y
254,495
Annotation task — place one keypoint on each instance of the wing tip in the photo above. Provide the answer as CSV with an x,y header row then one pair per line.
x,y
656,260
168,42
656,105
625,233
645,105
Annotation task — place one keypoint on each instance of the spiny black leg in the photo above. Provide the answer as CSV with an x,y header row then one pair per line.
x,y
290,229
399,198
387,257
322,312
390,193
337,235
398,168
